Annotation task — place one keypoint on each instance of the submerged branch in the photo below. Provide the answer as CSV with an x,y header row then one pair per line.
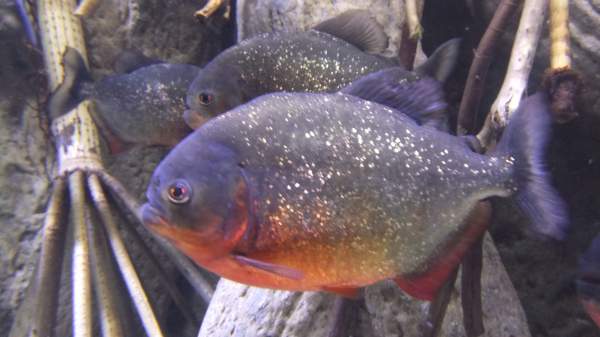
x,y
82,276
519,67
560,49
481,62
561,82
47,281
104,282
210,8
87,7
126,267
413,20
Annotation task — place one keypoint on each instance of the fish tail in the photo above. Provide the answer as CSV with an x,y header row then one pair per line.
x,y
73,88
525,140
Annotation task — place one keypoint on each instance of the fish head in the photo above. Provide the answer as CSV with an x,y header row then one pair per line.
x,y
198,198
212,93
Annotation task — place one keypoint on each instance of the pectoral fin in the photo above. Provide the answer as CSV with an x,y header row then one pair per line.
x,y
270,267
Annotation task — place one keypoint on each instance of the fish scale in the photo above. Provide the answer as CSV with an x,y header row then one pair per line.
x,y
303,61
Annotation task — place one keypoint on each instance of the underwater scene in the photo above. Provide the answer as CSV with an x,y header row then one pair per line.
x,y
266,168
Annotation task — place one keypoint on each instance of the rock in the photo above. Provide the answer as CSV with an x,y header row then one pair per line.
x,y
239,310
26,157
242,311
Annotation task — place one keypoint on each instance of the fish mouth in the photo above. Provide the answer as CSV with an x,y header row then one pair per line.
x,y
193,119
152,219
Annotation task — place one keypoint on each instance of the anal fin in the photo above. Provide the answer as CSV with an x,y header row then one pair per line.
x,y
347,292
425,286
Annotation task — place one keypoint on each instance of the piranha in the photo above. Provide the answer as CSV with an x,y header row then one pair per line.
x,y
141,106
317,191
326,58
588,280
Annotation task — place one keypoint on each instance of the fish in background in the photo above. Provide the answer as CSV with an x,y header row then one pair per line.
x,y
588,280
317,191
326,58
142,105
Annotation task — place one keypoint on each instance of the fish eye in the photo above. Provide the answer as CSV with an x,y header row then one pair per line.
x,y
205,98
179,192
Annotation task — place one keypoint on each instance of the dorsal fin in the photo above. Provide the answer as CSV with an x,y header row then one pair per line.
x,y
442,62
356,27
420,98
130,60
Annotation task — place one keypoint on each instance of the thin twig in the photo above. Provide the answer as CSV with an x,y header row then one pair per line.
x,y
519,67
122,193
471,290
104,282
47,281
413,19
559,34
134,285
438,307
87,7
561,82
481,62
82,278
209,9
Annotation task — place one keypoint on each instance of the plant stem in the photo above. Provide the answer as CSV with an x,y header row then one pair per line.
x,y
481,62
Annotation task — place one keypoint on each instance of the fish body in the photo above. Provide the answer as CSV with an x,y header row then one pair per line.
x,y
144,106
321,59
330,192
295,62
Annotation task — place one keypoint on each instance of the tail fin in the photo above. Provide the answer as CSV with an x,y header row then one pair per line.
x,y
69,93
525,139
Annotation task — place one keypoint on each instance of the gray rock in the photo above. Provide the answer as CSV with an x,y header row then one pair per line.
x,y
239,310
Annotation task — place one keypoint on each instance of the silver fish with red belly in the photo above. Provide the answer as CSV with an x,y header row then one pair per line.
x,y
331,192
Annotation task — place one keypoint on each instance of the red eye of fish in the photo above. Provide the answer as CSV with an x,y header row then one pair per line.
x,y
205,99
179,192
